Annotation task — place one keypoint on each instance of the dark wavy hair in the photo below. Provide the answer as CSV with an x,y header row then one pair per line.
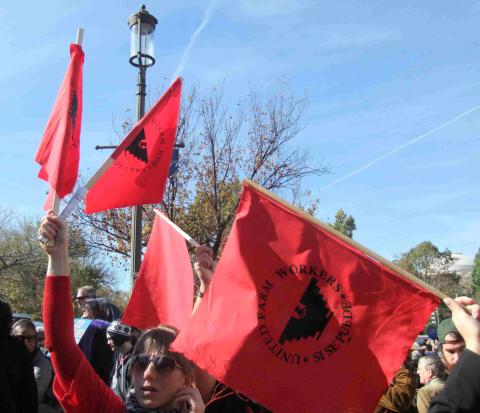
x,y
98,308
159,339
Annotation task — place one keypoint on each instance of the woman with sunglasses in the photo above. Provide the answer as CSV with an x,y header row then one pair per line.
x,y
162,380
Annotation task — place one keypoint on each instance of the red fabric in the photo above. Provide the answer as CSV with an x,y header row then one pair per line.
x,y
50,200
298,319
77,387
59,150
163,291
141,162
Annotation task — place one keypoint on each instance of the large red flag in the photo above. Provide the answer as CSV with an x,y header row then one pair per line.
x,y
59,150
141,162
163,291
298,318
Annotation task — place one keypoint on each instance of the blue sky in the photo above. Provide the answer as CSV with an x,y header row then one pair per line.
x,y
377,75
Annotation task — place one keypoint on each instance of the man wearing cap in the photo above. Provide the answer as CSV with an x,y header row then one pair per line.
x,y
119,338
452,344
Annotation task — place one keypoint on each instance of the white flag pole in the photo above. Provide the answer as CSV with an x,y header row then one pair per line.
x,y
191,240
79,36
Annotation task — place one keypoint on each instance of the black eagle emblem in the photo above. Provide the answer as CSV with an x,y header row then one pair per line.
x,y
310,316
138,147
72,112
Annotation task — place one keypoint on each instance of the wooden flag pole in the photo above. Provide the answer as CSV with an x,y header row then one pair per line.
x,y
56,202
354,244
191,240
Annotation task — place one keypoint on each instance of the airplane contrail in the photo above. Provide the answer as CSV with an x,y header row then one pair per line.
x,y
399,148
193,38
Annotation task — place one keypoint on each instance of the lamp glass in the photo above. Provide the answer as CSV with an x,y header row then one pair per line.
x,y
144,44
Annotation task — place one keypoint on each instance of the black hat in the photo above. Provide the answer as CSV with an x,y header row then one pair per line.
x,y
117,328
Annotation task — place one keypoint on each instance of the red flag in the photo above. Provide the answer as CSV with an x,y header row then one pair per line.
x,y
59,150
163,292
140,165
299,319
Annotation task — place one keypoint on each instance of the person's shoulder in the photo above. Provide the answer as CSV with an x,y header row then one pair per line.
x,y
432,389
99,324
42,361
128,357
437,382
227,400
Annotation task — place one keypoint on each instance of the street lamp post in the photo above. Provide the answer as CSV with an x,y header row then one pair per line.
x,y
142,26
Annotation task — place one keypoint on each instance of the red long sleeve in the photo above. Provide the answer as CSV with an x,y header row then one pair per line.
x,y
58,320
77,387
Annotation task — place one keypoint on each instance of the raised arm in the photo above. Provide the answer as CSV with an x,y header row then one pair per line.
x,y
204,266
76,385
57,305
462,389
55,230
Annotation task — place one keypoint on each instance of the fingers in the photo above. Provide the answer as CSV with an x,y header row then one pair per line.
x,y
48,229
466,319
475,310
50,226
206,262
190,397
453,305
204,249
204,257
470,306
465,300
467,304
53,234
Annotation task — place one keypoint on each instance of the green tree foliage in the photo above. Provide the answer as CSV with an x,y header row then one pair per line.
x,y
476,275
344,224
427,262
431,265
23,264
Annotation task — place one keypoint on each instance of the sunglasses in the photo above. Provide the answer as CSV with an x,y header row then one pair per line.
x,y
25,338
162,363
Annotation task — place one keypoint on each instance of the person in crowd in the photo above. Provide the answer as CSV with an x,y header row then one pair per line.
x,y
94,309
119,338
163,381
41,341
430,348
431,372
415,355
399,396
40,337
452,344
25,331
18,389
88,292
94,341
83,294
461,393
